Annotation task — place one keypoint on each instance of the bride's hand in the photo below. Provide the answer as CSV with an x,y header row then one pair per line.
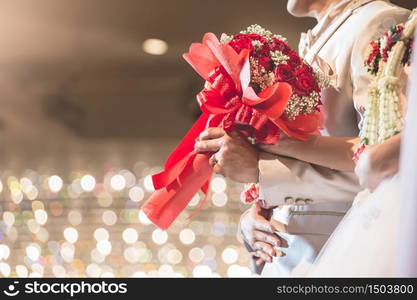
x,y
259,232
379,162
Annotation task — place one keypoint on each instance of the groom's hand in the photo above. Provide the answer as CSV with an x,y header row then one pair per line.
x,y
234,156
259,233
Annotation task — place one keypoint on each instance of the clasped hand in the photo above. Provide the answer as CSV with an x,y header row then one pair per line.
x,y
234,157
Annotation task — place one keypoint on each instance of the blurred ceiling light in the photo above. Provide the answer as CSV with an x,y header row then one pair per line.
x,y
148,184
104,247
88,183
143,218
130,235
101,234
187,236
159,236
33,252
41,216
155,46
136,194
55,183
4,252
230,255
109,217
118,182
202,271
71,235
21,271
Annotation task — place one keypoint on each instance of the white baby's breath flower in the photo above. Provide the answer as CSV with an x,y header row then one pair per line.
x,y
257,29
279,58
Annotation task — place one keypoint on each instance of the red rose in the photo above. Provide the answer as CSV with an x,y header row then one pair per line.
x,y
284,73
305,82
265,61
244,41
241,44
250,36
264,51
294,60
279,45
264,57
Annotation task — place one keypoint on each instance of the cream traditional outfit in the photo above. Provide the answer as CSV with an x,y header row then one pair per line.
x,y
312,199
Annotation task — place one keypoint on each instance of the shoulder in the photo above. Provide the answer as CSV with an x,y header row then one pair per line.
x,y
375,19
370,22
381,14
377,7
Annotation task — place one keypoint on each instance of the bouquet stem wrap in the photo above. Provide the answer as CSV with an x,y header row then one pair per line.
x,y
186,172
227,101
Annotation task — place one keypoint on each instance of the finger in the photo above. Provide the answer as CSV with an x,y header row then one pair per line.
x,y
267,208
209,145
235,134
279,226
213,161
262,224
259,262
265,247
279,253
261,257
284,243
269,238
218,168
259,220
212,133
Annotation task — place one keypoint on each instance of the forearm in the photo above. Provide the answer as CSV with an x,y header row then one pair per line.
x,y
384,158
331,152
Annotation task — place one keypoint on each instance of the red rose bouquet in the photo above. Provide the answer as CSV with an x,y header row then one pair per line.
x,y
255,83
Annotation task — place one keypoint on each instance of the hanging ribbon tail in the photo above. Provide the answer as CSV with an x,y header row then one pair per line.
x,y
172,174
165,205
204,189
187,144
186,172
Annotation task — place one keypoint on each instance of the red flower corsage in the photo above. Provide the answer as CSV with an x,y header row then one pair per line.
x,y
251,192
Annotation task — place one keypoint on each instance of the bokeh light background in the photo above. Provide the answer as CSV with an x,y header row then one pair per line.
x,y
93,97
89,224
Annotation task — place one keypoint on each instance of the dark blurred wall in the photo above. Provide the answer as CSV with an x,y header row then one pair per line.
x,y
76,68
